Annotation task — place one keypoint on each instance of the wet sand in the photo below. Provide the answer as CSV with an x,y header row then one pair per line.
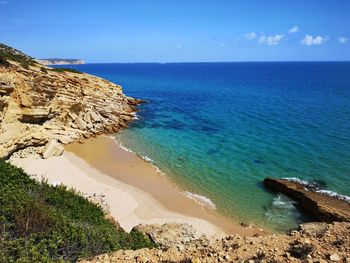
x,y
104,154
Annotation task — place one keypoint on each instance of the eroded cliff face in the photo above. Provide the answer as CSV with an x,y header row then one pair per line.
x,y
41,109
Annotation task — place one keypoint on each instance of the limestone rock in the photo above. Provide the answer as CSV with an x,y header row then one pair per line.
x,y
334,257
53,148
314,228
268,248
37,107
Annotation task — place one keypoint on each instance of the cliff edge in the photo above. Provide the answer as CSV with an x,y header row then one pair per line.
x,y
42,108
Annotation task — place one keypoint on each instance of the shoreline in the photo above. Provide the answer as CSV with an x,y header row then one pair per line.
x,y
135,192
125,166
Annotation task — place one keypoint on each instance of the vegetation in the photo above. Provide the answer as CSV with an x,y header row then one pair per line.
x,y
44,70
77,108
9,53
44,223
300,250
66,70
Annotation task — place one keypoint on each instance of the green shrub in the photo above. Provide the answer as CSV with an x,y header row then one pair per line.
x,y
4,62
43,223
300,250
77,108
66,70
9,53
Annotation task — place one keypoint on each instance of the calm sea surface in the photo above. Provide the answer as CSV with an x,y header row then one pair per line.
x,y
218,129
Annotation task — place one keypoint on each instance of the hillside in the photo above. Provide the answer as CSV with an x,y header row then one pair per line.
x,y
42,108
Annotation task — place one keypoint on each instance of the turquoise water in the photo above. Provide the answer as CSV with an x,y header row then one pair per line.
x,y
218,129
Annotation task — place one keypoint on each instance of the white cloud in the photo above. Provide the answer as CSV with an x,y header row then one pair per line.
x,y
343,40
271,40
249,36
309,40
294,29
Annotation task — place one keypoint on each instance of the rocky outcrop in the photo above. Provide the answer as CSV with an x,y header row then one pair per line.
x,y
320,206
314,242
52,148
39,106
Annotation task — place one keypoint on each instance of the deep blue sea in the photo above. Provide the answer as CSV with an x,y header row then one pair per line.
x,y
218,129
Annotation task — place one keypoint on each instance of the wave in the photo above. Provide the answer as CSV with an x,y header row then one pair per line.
x,y
297,180
334,194
145,158
121,146
282,201
282,210
318,188
200,199
135,116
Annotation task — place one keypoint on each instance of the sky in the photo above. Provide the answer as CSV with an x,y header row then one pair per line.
x,y
178,30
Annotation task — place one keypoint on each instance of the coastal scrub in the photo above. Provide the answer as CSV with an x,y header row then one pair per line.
x,y
43,223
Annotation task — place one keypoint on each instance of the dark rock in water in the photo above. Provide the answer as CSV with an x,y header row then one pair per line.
x,y
259,161
318,184
182,158
209,129
212,151
321,207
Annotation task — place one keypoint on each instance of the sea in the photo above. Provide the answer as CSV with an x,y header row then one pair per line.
x,y
218,129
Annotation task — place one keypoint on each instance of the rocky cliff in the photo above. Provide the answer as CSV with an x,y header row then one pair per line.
x,y
42,108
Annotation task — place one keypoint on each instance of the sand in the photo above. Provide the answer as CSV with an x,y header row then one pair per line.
x,y
136,193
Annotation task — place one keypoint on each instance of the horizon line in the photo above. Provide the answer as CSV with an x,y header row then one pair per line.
x,y
207,62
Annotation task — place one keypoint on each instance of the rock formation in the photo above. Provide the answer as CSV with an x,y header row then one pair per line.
x,y
41,108
313,242
320,206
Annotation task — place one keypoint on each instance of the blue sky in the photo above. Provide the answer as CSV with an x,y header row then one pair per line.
x,y
178,30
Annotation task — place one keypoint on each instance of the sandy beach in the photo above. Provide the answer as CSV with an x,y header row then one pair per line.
x,y
135,192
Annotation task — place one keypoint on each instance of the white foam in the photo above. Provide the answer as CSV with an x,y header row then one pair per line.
x,y
121,146
334,194
200,199
134,115
283,201
297,180
282,210
158,170
325,192
146,158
